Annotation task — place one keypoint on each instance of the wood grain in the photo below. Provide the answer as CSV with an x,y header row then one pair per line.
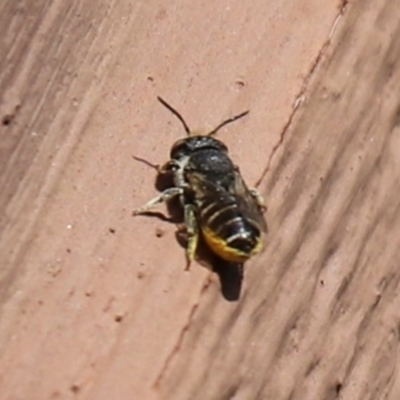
x,y
95,304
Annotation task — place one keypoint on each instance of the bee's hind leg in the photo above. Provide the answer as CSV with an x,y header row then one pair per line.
x,y
258,197
166,195
192,231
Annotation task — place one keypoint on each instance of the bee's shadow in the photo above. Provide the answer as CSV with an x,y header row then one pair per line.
x,y
230,274
231,278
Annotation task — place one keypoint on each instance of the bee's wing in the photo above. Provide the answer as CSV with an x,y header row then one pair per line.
x,y
248,201
206,189
203,187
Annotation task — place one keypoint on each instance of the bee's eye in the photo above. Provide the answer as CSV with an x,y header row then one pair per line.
x,y
179,150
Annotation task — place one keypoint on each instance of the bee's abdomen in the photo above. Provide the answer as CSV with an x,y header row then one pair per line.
x,y
229,233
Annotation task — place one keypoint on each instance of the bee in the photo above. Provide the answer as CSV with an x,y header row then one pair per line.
x,y
216,202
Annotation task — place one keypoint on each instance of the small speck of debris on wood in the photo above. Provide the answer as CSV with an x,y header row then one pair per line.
x,y
75,388
7,119
240,84
118,318
160,232
140,275
111,230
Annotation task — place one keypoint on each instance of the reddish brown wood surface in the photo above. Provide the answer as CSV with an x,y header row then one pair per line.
x,y
95,304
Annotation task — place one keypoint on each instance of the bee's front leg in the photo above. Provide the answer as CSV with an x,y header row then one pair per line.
x,y
166,195
192,231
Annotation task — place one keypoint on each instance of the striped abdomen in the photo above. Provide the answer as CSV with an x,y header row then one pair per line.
x,y
227,230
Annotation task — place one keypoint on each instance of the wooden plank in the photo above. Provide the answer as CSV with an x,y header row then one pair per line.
x,y
95,303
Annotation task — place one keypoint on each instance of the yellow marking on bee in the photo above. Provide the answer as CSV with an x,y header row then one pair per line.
x,y
217,213
221,248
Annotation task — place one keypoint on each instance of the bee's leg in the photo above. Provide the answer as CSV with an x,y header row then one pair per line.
x,y
166,195
258,198
169,166
192,231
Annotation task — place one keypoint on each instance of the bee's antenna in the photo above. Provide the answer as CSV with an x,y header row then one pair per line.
x,y
148,163
228,121
179,116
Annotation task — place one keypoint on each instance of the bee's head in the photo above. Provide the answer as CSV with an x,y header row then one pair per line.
x,y
184,148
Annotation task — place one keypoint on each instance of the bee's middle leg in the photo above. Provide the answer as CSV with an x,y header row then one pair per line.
x,y
192,231
166,195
